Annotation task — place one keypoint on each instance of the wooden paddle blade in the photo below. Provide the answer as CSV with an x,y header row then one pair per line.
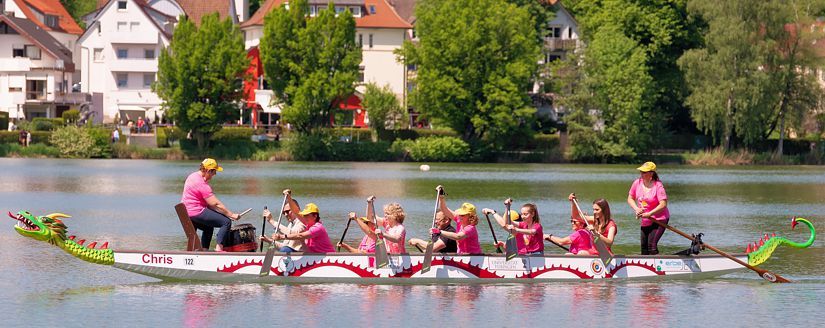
x,y
428,258
381,257
604,252
510,247
770,276
266,267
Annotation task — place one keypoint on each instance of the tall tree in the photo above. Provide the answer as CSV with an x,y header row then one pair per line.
x,y
200,75
309,63
78,8
383,107
475,63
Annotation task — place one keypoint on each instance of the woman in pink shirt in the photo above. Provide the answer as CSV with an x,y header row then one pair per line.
x,y
600,222
394,234
466,219
204,208
526,228
580,241
368,242
648,200
315,237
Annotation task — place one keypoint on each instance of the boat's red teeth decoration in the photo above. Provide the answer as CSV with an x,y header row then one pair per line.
x,y
105,245
361,272
72,237
81,242
635,264
472,269
239,265
533,274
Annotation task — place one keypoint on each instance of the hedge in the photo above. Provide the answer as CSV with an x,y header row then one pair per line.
x,y
11,137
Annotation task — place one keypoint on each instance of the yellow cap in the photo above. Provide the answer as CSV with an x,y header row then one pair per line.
x,y
310,208
211,164
647,167
465,209
514,216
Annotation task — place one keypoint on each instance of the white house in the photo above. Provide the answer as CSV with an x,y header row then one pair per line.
x,y
562,38
379,31
119,51
36,64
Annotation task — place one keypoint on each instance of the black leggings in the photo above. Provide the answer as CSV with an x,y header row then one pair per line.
x,y
650,238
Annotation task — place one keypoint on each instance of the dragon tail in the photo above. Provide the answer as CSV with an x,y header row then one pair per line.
x,y
761,251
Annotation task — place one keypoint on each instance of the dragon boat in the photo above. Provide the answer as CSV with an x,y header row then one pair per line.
x,y
402,269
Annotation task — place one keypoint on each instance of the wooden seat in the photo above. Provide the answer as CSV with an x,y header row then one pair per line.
x,y
194,242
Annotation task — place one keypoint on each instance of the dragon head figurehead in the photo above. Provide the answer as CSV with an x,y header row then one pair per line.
x,y
49,228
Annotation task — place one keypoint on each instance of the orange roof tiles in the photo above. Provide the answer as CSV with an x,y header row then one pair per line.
x,y
384,17
65,22
196,9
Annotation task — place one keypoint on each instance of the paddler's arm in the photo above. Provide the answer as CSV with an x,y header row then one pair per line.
x,y
442,204
294,210
515,229
452,235
611,235
499,219
659,208
362,225
215,204
632,202
558,240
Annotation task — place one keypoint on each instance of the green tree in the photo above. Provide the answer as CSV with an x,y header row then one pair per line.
x,y
200,76
310,64
383,108
475,65
78,8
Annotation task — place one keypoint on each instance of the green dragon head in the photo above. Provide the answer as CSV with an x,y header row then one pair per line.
x,y
49,228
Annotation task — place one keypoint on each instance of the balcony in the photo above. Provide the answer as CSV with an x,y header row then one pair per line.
x,y
72,97
133,65
36,95
554,44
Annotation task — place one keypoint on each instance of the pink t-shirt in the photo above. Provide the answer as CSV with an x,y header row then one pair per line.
x,y
469,245
530,243
580,240
650,199
318,241
397,230
367,245
195,193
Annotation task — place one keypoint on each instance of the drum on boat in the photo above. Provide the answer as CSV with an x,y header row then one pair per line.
x,y
241,239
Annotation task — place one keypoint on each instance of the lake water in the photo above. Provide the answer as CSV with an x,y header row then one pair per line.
x,y
129,204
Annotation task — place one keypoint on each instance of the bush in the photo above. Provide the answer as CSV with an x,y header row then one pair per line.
x,y
35,150
122,150
11,137
328,148
71,116
75,142
357,134
233,134
434,149
166,136
45,124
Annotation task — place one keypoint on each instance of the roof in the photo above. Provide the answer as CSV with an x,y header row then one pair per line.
x,y
144,7
65,22
405,9
385,16
28,29
196,9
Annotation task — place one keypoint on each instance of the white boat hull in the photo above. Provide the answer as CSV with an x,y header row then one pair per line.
x,y
406,269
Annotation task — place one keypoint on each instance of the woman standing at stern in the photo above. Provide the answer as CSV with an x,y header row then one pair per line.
x,y
648,200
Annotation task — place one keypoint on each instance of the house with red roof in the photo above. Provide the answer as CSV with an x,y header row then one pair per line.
x,y
379,31
37,64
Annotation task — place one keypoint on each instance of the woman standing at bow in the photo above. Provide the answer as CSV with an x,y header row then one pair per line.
x,y
648,199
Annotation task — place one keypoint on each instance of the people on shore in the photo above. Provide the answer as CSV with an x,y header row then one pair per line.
x,y
367,244
648,199
526,228
601,223
204,208
294,226
394,233
580,241
466,235
443,244
315,237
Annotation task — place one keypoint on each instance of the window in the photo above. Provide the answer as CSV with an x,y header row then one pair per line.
x,y
361,73
356,11
148,78
370,41
372,9
312,11
549,58
121,5
122,53
33,52
149,53
121,26
98,54
15,89
134,26
50,20
122,80
18,50
360,40
339,9
554,32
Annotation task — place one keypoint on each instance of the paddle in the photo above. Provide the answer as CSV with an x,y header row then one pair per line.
x,y
510,246
270,253
263,230
428,253
604,253
244,212
765,274
382,259
495,240
338,249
